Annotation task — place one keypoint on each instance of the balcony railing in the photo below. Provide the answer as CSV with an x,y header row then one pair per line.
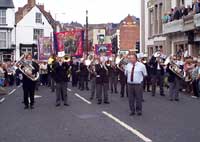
x,y
197,20
187,23
173,27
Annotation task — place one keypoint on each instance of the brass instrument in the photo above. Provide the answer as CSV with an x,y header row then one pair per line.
x,y
177,70
26,68
121,61
67,58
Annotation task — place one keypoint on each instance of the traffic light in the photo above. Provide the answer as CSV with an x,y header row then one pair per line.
x,y
114,45
137,47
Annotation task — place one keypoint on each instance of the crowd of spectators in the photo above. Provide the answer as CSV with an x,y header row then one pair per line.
x,y
180,12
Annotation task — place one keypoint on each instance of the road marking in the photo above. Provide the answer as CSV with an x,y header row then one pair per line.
x,y
2,100
19,86
77,95
37,96
69,89
12,92
134,131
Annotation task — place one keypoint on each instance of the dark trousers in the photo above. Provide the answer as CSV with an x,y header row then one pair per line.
x,y
93,87
29,91
61,92
174,88
160,79
52,84
146,83
11,80
135,92
123,88
113,84
102,90
84,83
44,79
195,88
74,80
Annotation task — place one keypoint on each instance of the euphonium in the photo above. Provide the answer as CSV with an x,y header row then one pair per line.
x,y
26,68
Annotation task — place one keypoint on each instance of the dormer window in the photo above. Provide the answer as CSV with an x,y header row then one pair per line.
x,y
2,16
38,17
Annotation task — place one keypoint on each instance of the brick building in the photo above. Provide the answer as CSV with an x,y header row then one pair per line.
x,y
129,33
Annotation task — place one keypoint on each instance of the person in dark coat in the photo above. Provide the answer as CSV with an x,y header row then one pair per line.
x,y
123,81
113,77
61,78
102,82
157,74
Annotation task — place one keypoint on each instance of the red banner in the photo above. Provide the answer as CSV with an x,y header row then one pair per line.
x,y
44,48
103,48
71,42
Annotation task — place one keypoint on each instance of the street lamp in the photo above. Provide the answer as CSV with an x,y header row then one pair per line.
x,y
86,31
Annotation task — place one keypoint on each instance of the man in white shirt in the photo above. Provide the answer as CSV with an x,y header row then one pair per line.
x,y
135,72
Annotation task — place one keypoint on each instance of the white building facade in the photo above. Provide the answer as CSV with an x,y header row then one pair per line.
x,y
29,28
7,22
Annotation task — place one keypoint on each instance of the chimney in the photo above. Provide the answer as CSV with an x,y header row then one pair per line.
x,y
31,3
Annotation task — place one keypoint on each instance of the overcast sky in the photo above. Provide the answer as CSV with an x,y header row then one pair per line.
x,y
100,11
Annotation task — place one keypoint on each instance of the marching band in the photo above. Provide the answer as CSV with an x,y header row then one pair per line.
x,y
136,74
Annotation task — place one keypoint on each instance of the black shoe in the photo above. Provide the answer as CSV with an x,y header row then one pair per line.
x,y
66,104
153,95
171,100
162,94
132,114
32,107
148,90
142,100
122,96
116,92
106,102
26,107
52,90
87,89
99,102
91,98
139,113
57,105
177,100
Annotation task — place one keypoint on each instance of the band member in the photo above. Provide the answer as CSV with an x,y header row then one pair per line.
x,y
113,77
174,83
102,82
61,68
123,81
157,73
51,72
135,72
84,76
147,79
74,73
28,84
92,71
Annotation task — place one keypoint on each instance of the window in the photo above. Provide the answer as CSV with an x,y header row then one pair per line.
x,y
2,39
2,17
37,33
38,18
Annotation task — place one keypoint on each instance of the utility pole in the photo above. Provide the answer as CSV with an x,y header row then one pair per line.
x,y
87,31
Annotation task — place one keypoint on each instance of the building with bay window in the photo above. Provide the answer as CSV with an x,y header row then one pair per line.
x,y
7,22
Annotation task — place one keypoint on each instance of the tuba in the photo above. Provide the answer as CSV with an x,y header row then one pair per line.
x,y
26,68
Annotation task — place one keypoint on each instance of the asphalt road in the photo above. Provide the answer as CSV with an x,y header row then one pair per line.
x,y
85,121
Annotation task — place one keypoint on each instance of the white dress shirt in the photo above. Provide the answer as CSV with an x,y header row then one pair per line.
x,y
138,74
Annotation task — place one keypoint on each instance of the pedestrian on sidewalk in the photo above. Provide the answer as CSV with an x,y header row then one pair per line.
x,y
135,72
